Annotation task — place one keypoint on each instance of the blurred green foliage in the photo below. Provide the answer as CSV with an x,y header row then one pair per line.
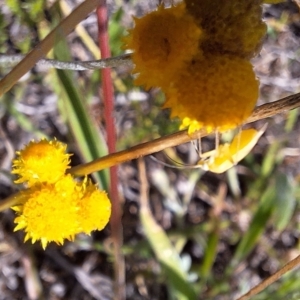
x,y
27,11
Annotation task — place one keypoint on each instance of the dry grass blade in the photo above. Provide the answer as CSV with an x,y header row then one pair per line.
x,y
62,30
264,284
270,109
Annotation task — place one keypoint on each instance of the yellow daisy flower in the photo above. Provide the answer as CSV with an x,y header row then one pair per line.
x,y
43,161
217,93
162,42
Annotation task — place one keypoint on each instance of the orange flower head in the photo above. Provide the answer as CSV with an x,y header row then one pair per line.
x,y
217,93
232,27
162,41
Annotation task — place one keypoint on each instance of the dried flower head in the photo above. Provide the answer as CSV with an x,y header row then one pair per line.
x,y
232,27
43,161
162,41
218,92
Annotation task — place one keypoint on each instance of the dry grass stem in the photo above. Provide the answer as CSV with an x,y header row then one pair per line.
x,y
261,112
59,32
9,202
264,284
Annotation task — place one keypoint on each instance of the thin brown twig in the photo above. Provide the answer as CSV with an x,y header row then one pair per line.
x,y
59,32
261,112
264,284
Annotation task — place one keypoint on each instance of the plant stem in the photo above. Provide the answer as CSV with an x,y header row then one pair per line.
x,y
40,51
175,139
264,284
108,98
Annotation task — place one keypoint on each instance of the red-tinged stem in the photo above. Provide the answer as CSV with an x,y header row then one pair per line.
x,y
108,96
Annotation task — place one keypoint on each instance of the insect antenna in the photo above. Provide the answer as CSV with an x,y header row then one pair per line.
x,y
198,146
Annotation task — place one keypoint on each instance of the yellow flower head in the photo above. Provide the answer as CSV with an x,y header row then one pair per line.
x,y
48,211
218,93
232,27
94,209
54,212
162,42
43,161
55,206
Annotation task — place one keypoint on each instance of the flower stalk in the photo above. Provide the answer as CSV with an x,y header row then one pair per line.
x,y
261,112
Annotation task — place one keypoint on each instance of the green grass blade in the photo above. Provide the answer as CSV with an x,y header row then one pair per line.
x,y
210,252
89,140
167,256
270,159
257,225
285,201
